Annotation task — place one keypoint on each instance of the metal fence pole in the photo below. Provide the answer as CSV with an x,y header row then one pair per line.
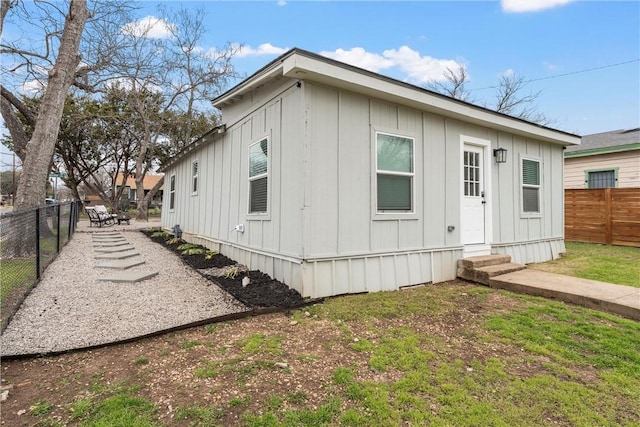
x,y
38,243
58,210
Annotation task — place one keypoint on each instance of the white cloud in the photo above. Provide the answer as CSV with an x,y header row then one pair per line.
x,y
550,66
520,6
263,49
509,72
360,58
33,86
149,26
282,3
417,68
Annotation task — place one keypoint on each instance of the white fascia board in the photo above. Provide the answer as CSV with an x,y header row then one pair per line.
x,y
304,68
247,86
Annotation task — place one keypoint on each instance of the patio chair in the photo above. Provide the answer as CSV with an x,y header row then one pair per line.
x,y
98,218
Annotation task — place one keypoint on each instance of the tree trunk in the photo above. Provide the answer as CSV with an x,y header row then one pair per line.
x,y
35,170
149,196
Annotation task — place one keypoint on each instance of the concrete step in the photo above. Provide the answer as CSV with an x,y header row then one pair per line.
x,y
483,261
484,274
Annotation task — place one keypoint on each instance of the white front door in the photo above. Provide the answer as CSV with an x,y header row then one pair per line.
x,y
473,195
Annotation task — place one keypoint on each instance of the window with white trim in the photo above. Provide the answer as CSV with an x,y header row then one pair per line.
x,y
259,176
194,177
394,173
530,186
172,192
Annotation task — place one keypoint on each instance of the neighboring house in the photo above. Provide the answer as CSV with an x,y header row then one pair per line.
x,y
129,194
337,180
608,159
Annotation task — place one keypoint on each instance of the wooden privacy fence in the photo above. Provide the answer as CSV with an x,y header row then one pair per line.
x,y
603,215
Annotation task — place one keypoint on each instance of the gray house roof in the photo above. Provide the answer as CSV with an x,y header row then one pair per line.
x,y
606,142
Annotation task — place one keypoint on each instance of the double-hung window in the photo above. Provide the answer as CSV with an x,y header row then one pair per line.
x,y
530,186
172,192
194,177
394,173
258,176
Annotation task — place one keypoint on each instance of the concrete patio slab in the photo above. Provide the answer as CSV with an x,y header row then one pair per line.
x,y
118,255
129,276
618,299
113,250
121,264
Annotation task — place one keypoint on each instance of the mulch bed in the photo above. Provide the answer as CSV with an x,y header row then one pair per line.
x,y
262,290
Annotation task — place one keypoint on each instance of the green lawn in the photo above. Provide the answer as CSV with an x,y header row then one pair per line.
x,y
445,355
612,264
16,273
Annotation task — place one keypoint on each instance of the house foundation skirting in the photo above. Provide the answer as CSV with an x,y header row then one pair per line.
x,y
541,250
330,276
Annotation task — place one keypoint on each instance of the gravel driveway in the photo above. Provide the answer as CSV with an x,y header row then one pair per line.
x,y
71,308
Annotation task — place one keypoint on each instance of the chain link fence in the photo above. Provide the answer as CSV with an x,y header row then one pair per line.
x,y
29,241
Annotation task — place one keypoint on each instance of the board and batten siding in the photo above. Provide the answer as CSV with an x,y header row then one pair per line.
x,y
322,235
626,162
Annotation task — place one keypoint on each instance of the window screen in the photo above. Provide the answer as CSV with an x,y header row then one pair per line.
x,y
530,186
394,172
602,179
194,175
172,192
258,176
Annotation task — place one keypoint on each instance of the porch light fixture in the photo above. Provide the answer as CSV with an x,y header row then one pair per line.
x,y
500,154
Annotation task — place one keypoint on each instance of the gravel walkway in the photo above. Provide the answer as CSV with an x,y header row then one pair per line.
x,y
70,308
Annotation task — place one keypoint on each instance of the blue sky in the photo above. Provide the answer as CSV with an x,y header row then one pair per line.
x,y
569,48
414,40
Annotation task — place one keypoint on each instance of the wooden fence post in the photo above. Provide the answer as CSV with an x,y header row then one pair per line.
x,y
607,216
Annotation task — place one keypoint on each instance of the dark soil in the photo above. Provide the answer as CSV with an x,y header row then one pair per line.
x,y
262,291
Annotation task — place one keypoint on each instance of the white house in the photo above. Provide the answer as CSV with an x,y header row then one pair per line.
x,y
336,180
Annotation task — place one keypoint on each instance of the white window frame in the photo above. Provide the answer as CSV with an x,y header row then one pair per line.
x,y
250,179
393,214
523,186
194,177
172,192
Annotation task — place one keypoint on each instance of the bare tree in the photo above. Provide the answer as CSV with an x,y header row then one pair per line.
x,y
511,100
178,71
39,149
454,84
46,57
510,96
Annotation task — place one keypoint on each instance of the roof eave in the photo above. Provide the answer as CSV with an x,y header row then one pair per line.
x,y
324,70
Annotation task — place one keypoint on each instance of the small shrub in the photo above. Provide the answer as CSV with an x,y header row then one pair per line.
x,y
231,272
160,234
174,241
193,251
210,254
185,246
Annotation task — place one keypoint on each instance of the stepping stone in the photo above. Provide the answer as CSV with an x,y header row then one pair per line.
x,y
107,234
113,250
118,255
110,244
130,276
121,264
110,240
